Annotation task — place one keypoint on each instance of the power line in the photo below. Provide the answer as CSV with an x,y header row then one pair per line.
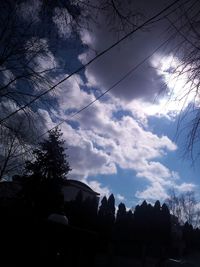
x,y
114,85
91,61
118,82
110,88
102,94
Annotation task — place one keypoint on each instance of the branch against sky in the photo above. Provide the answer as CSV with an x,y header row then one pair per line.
x,y
99,55
31,35
181,73
184,206
115,132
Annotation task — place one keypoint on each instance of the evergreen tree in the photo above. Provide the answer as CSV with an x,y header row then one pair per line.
x,y
157,222
165,210
50,159
166,223
157,206
103,207
111,209
106,214
121,213
46,174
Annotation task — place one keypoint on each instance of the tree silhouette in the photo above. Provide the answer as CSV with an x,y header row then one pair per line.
x,y
184,207
157,206
46,174
50,159
121,213
157,222
166,224
111,209
103,207
187,69
124,223
82,211
106,214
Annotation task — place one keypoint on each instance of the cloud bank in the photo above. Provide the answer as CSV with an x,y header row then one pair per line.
x,y
114,132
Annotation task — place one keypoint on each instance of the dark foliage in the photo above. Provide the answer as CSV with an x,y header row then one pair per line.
x,y
43,177
106,215
82,212
50,159
149,231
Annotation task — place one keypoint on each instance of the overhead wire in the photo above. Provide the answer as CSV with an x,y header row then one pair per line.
x,y
91,61
115,84
105,92
102,94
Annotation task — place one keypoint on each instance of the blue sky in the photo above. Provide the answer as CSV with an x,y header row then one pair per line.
x,y
125,183
126,143
130,136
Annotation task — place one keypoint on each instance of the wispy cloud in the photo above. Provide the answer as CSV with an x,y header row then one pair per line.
x,y
120,197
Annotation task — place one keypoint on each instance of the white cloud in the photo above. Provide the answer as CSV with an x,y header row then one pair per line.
x,y
185,187
101,141
97,187
120,197
63,21
158,189
70,95
40,56
144,83
180,88
153,192
155,171
121,142
144,92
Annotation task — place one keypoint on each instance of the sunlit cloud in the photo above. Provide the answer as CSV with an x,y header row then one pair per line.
x,y
120,197
180,90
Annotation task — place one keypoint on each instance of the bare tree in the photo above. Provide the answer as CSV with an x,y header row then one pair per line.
x,y
187,29
20,50
184,207
30,33
12,145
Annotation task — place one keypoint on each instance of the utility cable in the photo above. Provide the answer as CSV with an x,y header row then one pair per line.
x,y
91,61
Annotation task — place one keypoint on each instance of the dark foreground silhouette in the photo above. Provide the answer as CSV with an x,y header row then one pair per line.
x,y
45,220
91,236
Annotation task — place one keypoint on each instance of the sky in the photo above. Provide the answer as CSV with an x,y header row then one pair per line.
x,y
128,143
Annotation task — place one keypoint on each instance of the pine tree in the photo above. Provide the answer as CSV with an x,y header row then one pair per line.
x,y
157,206
121,213
111,209
103,208
50,159
46,174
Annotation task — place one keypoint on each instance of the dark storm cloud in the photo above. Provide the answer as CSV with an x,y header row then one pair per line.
x,y
144,83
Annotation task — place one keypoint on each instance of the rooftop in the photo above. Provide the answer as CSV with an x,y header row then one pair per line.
x,y
80,185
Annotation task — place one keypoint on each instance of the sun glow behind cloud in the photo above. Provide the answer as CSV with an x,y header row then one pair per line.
x,y
99,140
180,89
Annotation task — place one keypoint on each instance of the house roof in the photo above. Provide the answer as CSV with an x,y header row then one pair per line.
x,y
80,185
